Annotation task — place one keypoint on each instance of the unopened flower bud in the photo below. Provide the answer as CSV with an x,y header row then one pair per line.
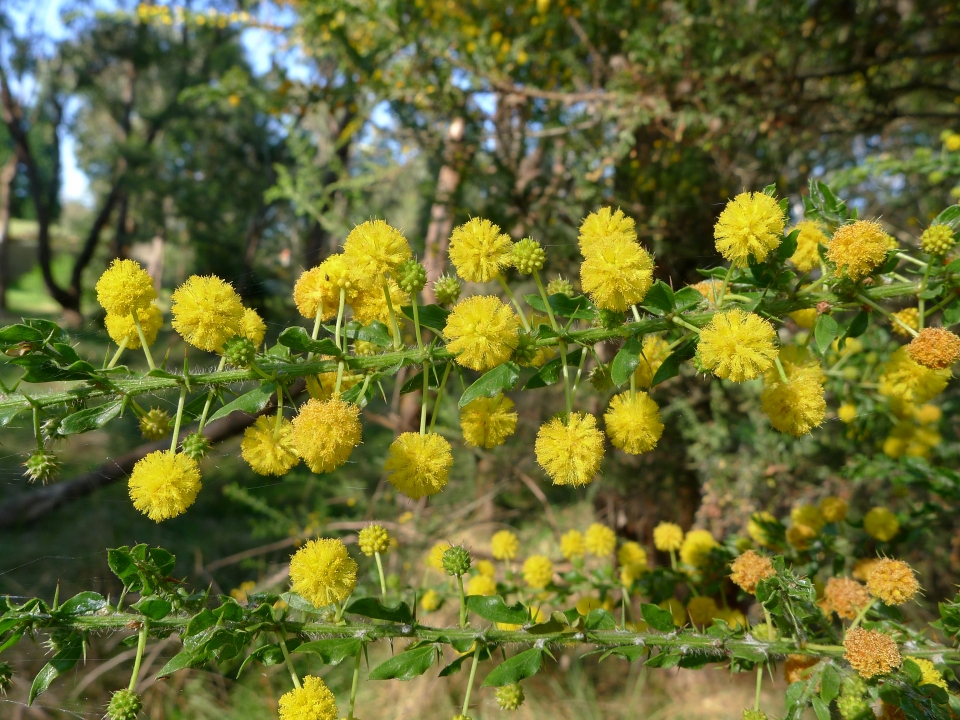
x,y
124,705
411,276
42,465
510,697
195,445
560,286
155,424
456,560
240,352
528,256
447,289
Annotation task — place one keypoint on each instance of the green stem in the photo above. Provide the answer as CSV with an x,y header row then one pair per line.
x,y
673,560
356,677
684,324
921,302
393,316
416,321
890,316
473,674
141,645
143,340
37,430
436,403
178,420
516,304
910,259
427,369
209,402
780,370
383,581
546,301
756,701
463,602
118,353
288,661
336,334
636,313
567,396
723,287
861,615
576,381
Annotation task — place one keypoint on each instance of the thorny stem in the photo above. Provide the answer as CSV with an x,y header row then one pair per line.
x,y
436,403
141,645
143,340
473,674
206,405
289,661
393,317
383,582
516,304
463,602
117,354
179,418
356,676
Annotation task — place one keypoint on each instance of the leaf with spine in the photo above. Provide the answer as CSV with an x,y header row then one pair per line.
x,y
670,367
415,383
332,651
502,378
550,373
494,609
829,683
13,335
686,298
267,654
599,619
578,307
825,332
665,659
407,665
432,317
84,603
788,247
373,608
659,299
297,339
153,607
12,640
71,650
250,403
626,361
630,653
515,669
376,332
51,331
90,419
657,618
203,620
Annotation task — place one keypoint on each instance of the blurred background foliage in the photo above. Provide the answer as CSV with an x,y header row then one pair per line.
x,y
246,139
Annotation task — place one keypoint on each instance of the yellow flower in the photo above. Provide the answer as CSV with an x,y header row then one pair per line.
x,y
858,248
252,326
602,226
267,449
485,567
668,537
570,450
434,558
893,582
935,348
373,539
756,531
632,555
881,524
504,545
326,432
907,381
430,601
599,540
749,569
419,465
321,386
122,327
908,316
633,422
312,701
737,345
871,652
482,332
929,675
313,296
164,484
708,288
655,351
806,257
488,422
587,603
572,544
481,585
750,224
374,249
800,536
537,571
676,609
323,572
833,509
125,287
206,312
370,305
937,239
479,251
732,617
845,597
696,548
617,274
847,413
808,515
702,610
928,414
805,318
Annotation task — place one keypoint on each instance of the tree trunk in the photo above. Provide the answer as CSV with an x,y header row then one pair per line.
x,y
7,175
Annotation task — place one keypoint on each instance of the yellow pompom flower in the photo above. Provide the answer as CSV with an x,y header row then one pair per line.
x,y
252,326
434,558
312,701
929,675
935,348
479,251
485,567
807,256
737,345
805,318
599,540
928,414
602,226
164,484
708,289
833,509
858,248
937,239
572,544
570,449
121,328
750,225
267,449
617,274
881,524
756,531
374,249
370,305
668,537
325,432
632,555
537,571
907,381
893,582
800,536
312,295
430,601
488,422
908,316
321,386
847,413
206,312
373,539
481,585
655,351
871,652
702,610
696,548
587,603
125,287
419,465
504,545
633,422
808,515
482,332
323,572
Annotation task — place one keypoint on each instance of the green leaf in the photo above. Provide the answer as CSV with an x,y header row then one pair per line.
x,y
687,297
90,419
578,307
373,608
183,660
332,651
433,317
671,366
407,665
954,266
416,382
820,708
858,326
825,332
829,684
13,335
521,666
85,603
501,378
296,338
70,652
550,372
124,566
950,216
153,608
657,617
788,247
659,299
665,659
8,414
494,609
599,619
951,316
376,332
267,654
250,403
626,360
297,602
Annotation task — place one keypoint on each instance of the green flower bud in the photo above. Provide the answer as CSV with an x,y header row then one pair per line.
x,y
6,677
155,424
850,373
456,560
601,379
50,429
526,350
195,445
528,256
609,319
559,286
764,632
509,697
411,276
124,705
447,289
853,702
937,239
240,352
754,715
42,466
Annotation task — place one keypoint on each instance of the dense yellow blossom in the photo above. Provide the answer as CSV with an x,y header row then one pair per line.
x,y
164,484
312,701
871,652
858,248
269,450
602,226
633,422
756,530
654,351
881,524
737,345
125,287
908,316
537,571
434,558
206,312
893,582
325,432
937,239
572,544
121,328
419,465
504,545
833,509
617,274
807,256
906,380
323,572
488,422
482,332
632,555
929,675
696,548
668,537
750,225
430,601
847,413
702,610
798,405
808,515
252,326
479,251
373,539
370,305
749,569
570,449
485,567
599,540
935,348
845,596
481,585
374,249
805,318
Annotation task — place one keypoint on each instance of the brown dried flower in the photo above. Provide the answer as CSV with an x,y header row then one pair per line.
x,y
893,582
749,569
935,348
871,652
845,597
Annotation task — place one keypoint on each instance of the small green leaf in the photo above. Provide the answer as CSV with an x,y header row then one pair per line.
x,y
550,373
829,684
825,332
153,608
90,419
85,603
494,609
296,338
250,403
788,247
626,361
687,297
8,414
657,618
332,651
407,665
298,602
858,326
820,708
501,378
521,666
373,608
181,661
950,216
433,317
70,652
13,335
664,660
659,299
670,367
951,316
